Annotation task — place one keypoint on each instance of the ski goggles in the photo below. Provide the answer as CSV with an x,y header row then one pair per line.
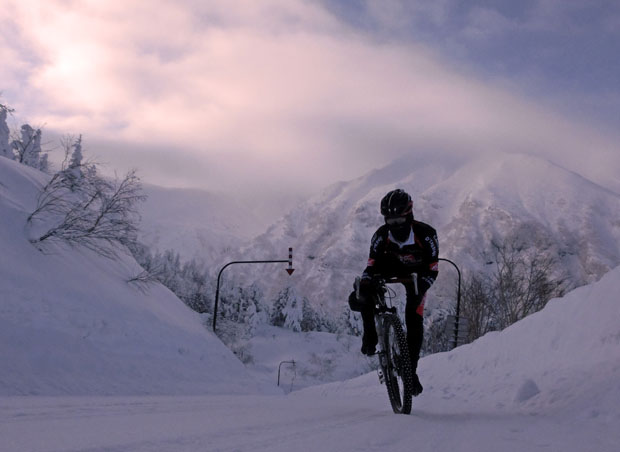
x,y
396,221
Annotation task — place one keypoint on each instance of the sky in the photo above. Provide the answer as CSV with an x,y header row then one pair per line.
x,y
292,95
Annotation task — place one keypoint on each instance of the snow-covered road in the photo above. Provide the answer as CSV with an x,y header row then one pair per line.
x,y
300,422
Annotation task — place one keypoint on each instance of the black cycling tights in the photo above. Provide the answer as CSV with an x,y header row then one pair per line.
x,y
413,319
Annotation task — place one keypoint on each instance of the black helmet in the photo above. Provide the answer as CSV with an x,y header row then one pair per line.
x,y
396,203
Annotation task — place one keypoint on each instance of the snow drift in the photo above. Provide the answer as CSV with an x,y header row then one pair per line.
x,y
71,324
565,358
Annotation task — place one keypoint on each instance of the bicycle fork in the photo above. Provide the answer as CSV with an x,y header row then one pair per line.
x,y
381,352
382,366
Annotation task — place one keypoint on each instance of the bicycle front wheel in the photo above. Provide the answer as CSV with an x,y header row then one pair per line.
x,y
398,373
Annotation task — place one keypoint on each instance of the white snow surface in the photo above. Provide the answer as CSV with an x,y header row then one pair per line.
x,y
90,363
551,382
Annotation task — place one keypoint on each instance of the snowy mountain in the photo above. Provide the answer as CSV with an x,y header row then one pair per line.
x,y
195,223
555,212
71,324
203,225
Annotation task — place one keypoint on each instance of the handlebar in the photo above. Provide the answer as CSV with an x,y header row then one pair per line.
x,y
398,280
413,278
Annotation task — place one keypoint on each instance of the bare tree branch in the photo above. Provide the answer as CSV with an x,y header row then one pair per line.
x,y
522,283
94,213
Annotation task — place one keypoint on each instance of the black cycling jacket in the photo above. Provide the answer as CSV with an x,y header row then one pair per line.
x,y
419,254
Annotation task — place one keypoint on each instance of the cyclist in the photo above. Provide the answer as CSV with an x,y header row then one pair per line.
x,y
400,247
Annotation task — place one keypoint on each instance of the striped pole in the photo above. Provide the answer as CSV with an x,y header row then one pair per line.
x,y
290,268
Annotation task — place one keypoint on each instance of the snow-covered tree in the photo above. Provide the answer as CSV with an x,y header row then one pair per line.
x,y
310,320
296,313
188,280
244,305
28,146
76,156
170,264
196,288
101,216
277,310
5,148
293,312
255,311
44,163
521,283
75,170
348,322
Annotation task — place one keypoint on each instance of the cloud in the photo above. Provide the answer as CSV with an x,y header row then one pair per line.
x,y
261,90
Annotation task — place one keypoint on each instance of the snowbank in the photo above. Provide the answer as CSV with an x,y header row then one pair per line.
x,y
563,358
70,324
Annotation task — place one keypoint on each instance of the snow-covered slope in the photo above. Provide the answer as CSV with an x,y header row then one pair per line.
x,y
71,324
566,354
563,359
558,212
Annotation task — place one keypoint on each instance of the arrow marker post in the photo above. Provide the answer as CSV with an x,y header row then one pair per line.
x,y
290,268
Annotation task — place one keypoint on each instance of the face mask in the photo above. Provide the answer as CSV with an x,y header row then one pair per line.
x,y
401,232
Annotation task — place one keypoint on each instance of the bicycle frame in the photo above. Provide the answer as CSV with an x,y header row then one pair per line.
x,y
381,310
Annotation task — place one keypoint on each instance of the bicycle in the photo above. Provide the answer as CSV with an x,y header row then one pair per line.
x,y
394,359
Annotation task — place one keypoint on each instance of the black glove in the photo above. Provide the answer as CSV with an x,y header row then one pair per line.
x,y
354,303
367,290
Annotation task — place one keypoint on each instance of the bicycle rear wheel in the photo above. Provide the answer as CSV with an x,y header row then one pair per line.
x,y
397,369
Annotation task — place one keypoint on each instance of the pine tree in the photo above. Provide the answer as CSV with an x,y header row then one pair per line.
x,y
75,169
5,148
28,148
309,318
292,310
195,287
348,322
44,164
258,314
76,156
277,315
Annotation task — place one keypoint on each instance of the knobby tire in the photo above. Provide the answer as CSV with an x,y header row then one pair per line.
x,y
398,373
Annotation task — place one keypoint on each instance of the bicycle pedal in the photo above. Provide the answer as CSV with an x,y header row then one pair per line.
x,y
381,376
